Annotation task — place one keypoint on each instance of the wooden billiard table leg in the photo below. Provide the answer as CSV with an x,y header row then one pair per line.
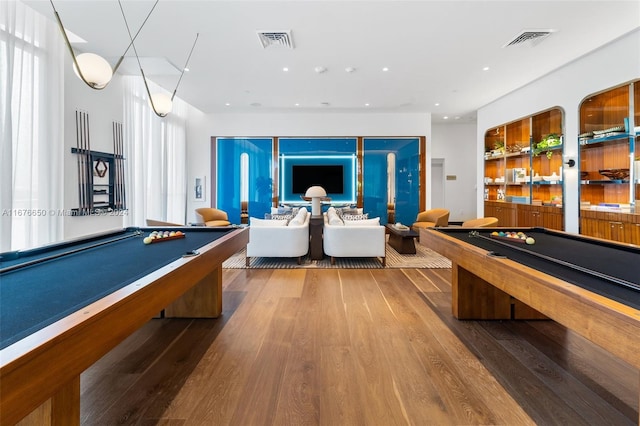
x,y
62,409
203,300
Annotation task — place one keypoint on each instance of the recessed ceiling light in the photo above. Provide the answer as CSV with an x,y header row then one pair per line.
x,y
187,69
437,104
285,69
227,104
349,69
367,104
445,117
297,104
385,69
485,69
320,69
457,117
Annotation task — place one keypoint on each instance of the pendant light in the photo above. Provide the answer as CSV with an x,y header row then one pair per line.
x,y
91,68
161,103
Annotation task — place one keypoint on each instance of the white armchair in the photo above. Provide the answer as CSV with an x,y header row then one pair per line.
x,y
277,238
364,239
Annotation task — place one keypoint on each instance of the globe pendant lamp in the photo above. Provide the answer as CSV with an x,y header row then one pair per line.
x,y
91,68
161,104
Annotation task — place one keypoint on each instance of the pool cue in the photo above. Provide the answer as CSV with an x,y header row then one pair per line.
x,y
90,169
83,155
119,177
123,193
56,256
80,170
618,281
123,177
85,177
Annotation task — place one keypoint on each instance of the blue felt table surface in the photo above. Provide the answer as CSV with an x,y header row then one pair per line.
x,y
40,294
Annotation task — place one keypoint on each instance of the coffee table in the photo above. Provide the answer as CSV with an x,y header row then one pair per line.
x,y
402,240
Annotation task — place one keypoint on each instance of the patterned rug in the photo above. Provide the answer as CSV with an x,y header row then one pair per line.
x,y
424,258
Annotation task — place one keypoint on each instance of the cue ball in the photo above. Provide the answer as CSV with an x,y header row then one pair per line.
x,y
530,240
147,240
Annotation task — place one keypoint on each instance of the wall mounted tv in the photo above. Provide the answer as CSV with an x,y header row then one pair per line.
x,y
335,173
328,176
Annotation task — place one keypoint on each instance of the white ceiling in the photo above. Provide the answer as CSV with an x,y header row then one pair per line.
x,y
435,50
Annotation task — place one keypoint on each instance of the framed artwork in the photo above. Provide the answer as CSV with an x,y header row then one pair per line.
x,y
199,188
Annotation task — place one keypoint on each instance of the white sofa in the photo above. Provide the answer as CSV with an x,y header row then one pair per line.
x,y
279,238
357,238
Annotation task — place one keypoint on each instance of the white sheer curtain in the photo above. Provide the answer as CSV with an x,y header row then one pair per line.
x,y
31,126
155,156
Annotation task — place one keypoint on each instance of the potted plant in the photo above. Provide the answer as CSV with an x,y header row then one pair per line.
x,y
547,143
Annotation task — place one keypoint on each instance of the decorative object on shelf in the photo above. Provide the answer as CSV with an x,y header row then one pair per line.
x,y
316,193
161,103
101,168
500,194
552,178
552,140
93,69
611,131
615,174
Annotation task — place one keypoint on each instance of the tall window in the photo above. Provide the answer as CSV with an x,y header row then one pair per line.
x,y
31,115
155,152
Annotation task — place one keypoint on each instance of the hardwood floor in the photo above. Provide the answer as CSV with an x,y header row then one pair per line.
x,y
354,347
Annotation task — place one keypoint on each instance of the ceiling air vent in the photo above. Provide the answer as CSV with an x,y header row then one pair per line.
x,y
276,38
529,38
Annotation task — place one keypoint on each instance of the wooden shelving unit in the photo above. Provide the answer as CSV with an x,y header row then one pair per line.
x,y
609,140
524,185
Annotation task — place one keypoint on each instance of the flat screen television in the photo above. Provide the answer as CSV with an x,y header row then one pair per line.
x,y
330,177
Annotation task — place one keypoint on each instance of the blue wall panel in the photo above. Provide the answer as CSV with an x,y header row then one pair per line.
x,y
228,155
375,193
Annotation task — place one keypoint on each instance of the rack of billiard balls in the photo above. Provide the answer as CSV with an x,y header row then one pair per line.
x,y
513,236
161,236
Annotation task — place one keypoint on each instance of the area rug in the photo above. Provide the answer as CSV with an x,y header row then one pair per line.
x,y
424,258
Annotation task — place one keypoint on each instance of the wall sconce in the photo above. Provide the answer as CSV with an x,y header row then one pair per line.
x,y
91,68
160,102
316,193
569,161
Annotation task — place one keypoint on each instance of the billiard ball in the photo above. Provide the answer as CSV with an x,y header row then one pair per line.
x,y
147,240
530,240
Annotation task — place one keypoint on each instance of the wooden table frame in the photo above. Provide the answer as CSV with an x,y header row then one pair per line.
x,y
40,374
484,287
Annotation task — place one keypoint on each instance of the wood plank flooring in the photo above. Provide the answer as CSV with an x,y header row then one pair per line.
x,y
354,347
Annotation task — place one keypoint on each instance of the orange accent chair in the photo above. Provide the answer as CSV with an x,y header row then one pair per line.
x,y
431,218
153,222
212,217
481,222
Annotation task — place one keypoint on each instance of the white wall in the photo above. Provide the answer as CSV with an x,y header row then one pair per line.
x,y
455,143
201,127
103,107
612,65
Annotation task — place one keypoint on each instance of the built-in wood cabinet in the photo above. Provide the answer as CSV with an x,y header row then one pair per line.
x,y
523,167
609,172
